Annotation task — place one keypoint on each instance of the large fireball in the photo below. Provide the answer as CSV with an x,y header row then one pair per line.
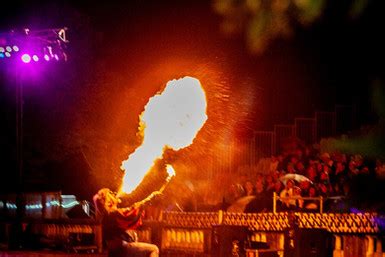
x,y
171,119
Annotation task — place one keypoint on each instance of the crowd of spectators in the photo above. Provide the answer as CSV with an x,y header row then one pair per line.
x,y
299,178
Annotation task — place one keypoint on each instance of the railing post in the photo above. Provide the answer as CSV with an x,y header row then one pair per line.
x,y
370,247
160,218
378,252
281,244
98,237
274,202
338,252
220,217
321,204
59,209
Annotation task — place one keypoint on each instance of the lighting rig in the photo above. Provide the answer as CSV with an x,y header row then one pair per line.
x,y
33,46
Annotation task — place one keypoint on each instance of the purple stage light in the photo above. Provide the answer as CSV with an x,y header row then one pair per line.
x,y
34,46
26,58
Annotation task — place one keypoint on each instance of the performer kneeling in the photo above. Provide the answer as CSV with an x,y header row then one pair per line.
x,y
119,225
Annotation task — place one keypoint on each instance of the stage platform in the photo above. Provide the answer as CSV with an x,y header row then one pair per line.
x,y
48,253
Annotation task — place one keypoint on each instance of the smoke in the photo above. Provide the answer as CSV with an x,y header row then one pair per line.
x,y
370,141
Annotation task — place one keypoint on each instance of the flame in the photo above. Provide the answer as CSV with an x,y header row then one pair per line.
x,y
170,172
170,119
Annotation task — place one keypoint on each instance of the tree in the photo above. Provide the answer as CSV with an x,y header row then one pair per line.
x,y
264,21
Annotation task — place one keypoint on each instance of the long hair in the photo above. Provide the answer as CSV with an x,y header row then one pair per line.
x,y
104,201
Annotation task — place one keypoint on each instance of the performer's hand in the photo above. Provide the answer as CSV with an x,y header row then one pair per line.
x,y
147,199
126,209
155,194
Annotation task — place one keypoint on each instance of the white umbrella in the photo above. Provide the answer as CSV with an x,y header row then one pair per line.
x,y
293,176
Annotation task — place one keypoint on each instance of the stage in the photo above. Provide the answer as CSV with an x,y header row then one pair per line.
x,y
48,253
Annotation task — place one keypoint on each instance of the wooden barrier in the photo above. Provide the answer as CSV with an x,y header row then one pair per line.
x,y
334,234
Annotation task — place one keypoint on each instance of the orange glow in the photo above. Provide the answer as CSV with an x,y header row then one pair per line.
x,y
170,172
171,119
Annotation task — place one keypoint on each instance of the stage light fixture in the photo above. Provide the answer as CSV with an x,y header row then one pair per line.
x,y
26,58
2,55
44,44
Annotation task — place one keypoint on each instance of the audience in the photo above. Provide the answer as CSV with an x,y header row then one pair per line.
x,y
329,175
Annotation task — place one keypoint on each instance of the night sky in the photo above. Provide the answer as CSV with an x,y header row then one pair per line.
x,y
86,110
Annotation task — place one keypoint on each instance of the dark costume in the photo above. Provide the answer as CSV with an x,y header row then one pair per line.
x,y
119,234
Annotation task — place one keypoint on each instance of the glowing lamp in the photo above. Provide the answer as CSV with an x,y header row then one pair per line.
x,y
9,49
46,57
15,48
56,57
8,54
2,49
35,58
2,55
26,58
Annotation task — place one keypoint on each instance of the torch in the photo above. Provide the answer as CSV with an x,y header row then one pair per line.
x,y
171,174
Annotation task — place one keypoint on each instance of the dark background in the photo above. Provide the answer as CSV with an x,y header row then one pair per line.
x,y
81,116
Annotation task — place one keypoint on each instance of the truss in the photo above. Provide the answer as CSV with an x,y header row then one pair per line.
x,y
51,42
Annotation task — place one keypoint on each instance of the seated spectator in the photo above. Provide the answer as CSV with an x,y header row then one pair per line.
x,y
235,192
269,182
262,196
339,172
305,186
260,178
312,204
249,188
290,168
294,159
324,188
259,188
261,201
278,187
298,198
273,164
300,168
380,169
281,163
324,178
353,170
286,194
312,174
336,189
326,160
319,167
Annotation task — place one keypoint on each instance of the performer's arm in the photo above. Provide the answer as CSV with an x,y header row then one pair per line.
x,y
146,200
138,205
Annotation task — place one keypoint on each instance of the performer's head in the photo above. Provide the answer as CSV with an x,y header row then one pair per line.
x,y
105,201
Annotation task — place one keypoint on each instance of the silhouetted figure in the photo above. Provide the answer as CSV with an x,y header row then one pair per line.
x,y
119,226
